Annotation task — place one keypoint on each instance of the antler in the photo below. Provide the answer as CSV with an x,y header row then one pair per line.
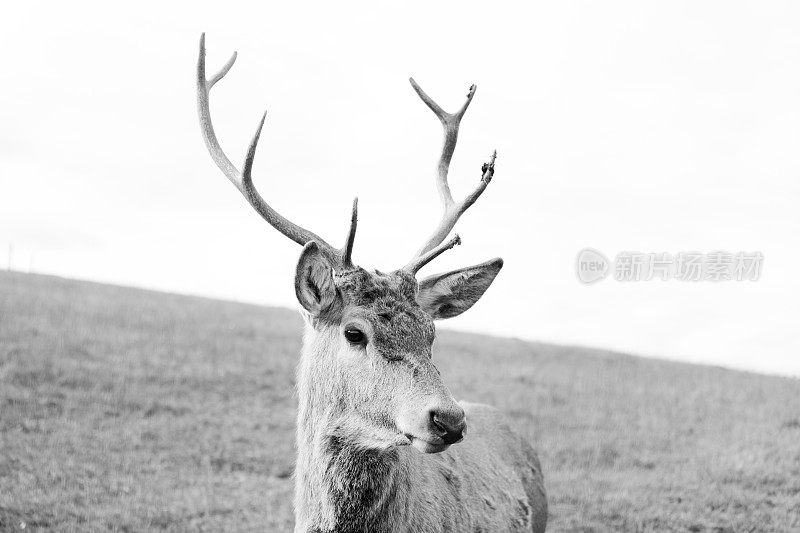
x,y
421,260
452,210
244,181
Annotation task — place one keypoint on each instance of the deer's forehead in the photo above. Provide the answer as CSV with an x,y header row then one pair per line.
x,y
388,301
375,289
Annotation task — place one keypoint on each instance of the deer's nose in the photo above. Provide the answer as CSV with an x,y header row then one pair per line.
x,y
450,423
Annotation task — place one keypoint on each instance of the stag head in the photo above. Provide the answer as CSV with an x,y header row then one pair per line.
x,y
367,362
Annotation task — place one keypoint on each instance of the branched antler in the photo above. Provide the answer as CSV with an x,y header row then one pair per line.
x,y
451,210
342,258
243,180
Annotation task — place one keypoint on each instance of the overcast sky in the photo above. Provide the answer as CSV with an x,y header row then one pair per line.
x,y
622,126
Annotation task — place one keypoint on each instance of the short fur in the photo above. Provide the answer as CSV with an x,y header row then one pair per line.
x,y
355,471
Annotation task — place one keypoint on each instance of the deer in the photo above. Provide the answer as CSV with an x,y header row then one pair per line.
x,y
381,443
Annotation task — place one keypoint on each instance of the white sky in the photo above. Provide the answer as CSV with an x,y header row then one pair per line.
x,y
622,126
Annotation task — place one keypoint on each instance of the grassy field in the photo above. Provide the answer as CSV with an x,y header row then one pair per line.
x,y
128,410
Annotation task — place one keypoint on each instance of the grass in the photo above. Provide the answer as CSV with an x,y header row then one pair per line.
x,y
129,410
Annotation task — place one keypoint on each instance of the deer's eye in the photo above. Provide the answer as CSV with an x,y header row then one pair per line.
x,y
354,336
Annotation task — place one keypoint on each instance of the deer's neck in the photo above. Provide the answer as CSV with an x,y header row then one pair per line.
x,y
342,485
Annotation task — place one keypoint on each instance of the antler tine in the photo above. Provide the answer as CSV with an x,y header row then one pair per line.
x,y
451,210
347,250
243,180
420,261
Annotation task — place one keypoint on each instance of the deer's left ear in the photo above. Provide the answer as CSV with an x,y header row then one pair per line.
x,y
451,293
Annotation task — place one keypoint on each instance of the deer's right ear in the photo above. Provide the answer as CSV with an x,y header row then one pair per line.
x,y
313,281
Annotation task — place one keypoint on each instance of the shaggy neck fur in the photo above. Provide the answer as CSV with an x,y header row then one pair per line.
x,y
346,477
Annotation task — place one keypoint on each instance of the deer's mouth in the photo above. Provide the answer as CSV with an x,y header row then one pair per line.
x,y
435,445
